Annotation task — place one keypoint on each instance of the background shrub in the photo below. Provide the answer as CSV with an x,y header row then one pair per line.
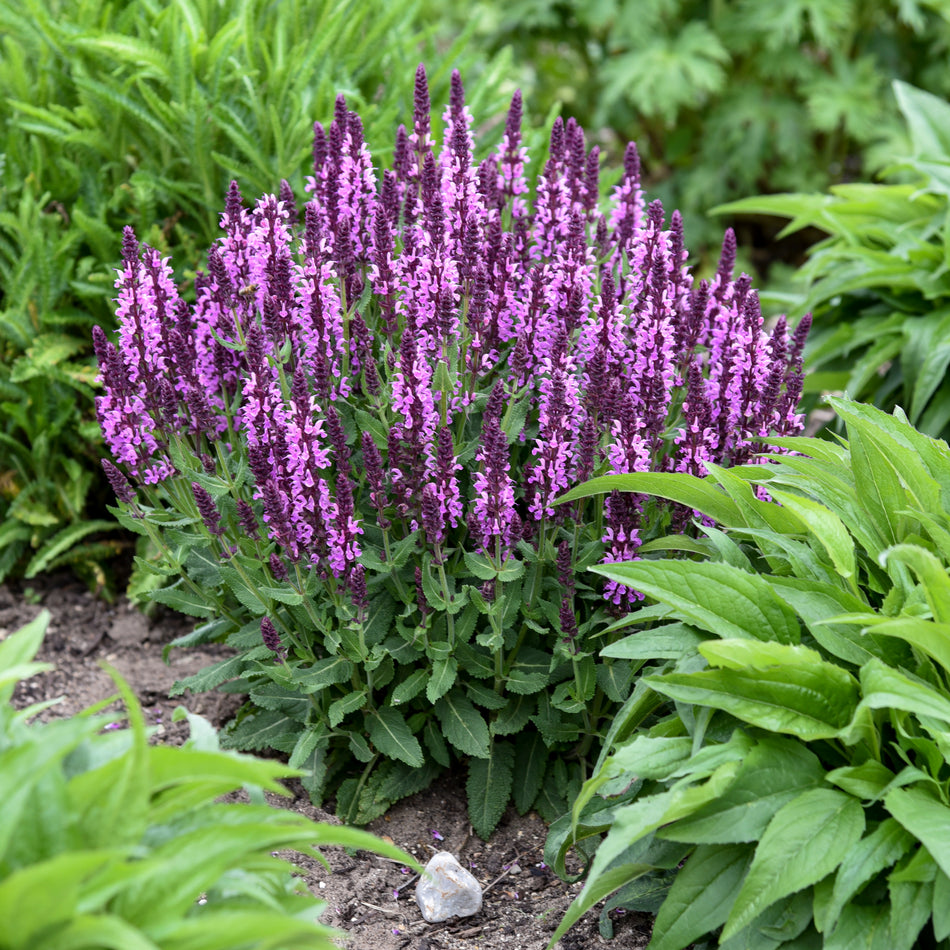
x,y
878,286
728,98
787,735
141,113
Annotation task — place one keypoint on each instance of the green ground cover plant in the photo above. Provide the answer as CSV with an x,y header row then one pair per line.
x,y
779,776
345,453
141,113
729,98
109,842
878,286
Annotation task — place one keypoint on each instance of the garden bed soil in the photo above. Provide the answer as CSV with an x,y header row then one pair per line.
x,y
524,901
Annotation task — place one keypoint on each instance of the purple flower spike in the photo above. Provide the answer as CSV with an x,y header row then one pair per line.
x,y
120,484
207,509
271,638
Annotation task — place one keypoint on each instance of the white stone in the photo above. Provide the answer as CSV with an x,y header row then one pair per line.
x,y
446,890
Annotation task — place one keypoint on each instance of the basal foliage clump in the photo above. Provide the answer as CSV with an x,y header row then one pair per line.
x,y
347,453
779,776
109,842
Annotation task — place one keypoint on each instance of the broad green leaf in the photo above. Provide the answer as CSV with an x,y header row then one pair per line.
x,y
862,927
885,688
701,896
740,654
941,906
825,525
772,774
928,119
462,724
807,839
866,781
669,641
340,708
808,703
444,673
930,571
925,817
489,787
391,735
688,490
323,673
880,492
654,757
103,931
925,635
595,891
715,597
50,889
871,855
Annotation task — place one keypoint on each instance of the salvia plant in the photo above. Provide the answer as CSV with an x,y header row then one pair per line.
x,y
778,778
108,841
347,453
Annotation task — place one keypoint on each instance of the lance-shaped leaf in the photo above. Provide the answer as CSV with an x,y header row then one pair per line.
x,y
722,599
807,839
391,735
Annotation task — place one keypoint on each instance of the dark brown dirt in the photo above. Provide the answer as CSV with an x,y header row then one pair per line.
x,y
370,898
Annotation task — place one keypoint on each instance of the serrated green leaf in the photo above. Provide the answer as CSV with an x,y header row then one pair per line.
x,y
391,735
701,896
183,599
323,673
444,673
489,787
807,839
462,724
531,761
410,687
342,707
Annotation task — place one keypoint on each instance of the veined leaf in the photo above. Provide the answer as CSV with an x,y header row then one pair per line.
x,y
804,702
926,818
807,839
391,735
701,896
462,724
871,855
930,571
885,688
716,597
489,787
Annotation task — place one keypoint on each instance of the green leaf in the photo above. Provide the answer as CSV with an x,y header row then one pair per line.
x,y
774,772
342,707
885,688
871,855
444,674
701,896
410,687
925,817
807,839
667,642
323,673
391,735
183,599
489,787
531,761
688,490
808,703
825,525
930,571
719,598
463,725
63,541
513,717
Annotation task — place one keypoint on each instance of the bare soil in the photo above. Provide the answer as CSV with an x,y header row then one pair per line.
x,y
369,898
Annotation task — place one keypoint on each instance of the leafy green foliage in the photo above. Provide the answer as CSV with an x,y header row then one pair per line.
x,y
141,113
787,741
107,841
878,286
729,98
